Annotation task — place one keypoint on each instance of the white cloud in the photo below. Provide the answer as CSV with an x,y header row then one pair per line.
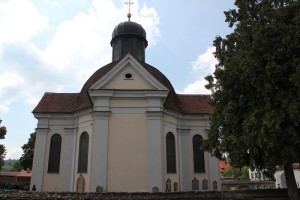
x,y
20,21
204,65
77,48
150,19
206,62
198,87
10,81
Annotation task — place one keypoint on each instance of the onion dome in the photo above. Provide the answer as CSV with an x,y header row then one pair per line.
x,y
129,37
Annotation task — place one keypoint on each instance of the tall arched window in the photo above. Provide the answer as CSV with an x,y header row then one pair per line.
x,y
171,153
198,153
83,153
127,47
139,51
54,154
116,52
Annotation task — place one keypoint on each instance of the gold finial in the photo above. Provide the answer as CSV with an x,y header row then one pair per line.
x,y
129,3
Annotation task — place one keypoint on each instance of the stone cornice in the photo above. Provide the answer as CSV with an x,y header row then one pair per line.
x,y
154,114
101,114
42,130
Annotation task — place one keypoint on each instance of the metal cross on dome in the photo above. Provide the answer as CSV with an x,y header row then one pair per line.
x,y
129,3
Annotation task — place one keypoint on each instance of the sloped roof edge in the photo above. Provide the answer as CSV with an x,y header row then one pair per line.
x,y
71,102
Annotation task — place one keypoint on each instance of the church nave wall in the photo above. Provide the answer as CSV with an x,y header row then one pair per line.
x,y
127,155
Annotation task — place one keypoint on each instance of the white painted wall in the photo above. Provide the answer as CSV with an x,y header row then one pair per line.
x,y
280,178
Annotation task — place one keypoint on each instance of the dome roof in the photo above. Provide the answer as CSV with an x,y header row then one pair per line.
x,y
129,37
129,28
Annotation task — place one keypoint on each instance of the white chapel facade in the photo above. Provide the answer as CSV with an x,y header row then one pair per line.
x,y
126,131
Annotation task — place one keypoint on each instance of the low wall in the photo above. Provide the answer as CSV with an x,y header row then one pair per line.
x,y
228,185
273,194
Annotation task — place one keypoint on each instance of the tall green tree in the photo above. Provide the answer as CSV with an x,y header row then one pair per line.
x,y
2,147
256,87
28,150
16,167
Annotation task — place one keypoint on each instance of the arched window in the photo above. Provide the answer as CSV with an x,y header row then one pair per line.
x,y
54,154
171,153
139,51
116,52
127,47
199,164
83,152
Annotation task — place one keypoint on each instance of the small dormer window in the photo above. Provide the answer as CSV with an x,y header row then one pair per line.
x,y
128,76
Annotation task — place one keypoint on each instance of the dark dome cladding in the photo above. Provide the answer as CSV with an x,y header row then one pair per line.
x,y
129,27
129,37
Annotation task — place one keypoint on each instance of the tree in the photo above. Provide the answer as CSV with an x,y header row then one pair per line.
x,y
28,150
237,173
11,165
2,147
256,87
16,166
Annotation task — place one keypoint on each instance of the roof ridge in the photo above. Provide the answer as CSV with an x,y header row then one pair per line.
x,y
61,93
194,95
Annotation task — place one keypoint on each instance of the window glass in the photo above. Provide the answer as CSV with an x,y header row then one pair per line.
x,y
126,47
198,153
54,154
83,152
139,51
171,153
116,52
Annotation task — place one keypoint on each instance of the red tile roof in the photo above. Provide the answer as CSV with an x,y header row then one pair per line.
x,y
223,166
195,104
71,102
22,173
57,103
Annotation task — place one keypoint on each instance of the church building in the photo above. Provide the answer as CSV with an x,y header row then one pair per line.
x,y
126,130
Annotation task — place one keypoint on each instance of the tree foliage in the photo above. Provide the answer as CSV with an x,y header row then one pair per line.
x,y
11,165
256,85
28,150
2,155
237,173
16,166
2,147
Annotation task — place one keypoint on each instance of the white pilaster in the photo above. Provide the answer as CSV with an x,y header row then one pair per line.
x,y
38,166
214,167
99,150
184,157
155,150
68,157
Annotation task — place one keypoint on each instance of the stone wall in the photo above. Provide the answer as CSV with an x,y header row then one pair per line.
x,y
227,185
272,194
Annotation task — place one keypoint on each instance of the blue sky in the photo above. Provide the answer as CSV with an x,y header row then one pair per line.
x,y
56,45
